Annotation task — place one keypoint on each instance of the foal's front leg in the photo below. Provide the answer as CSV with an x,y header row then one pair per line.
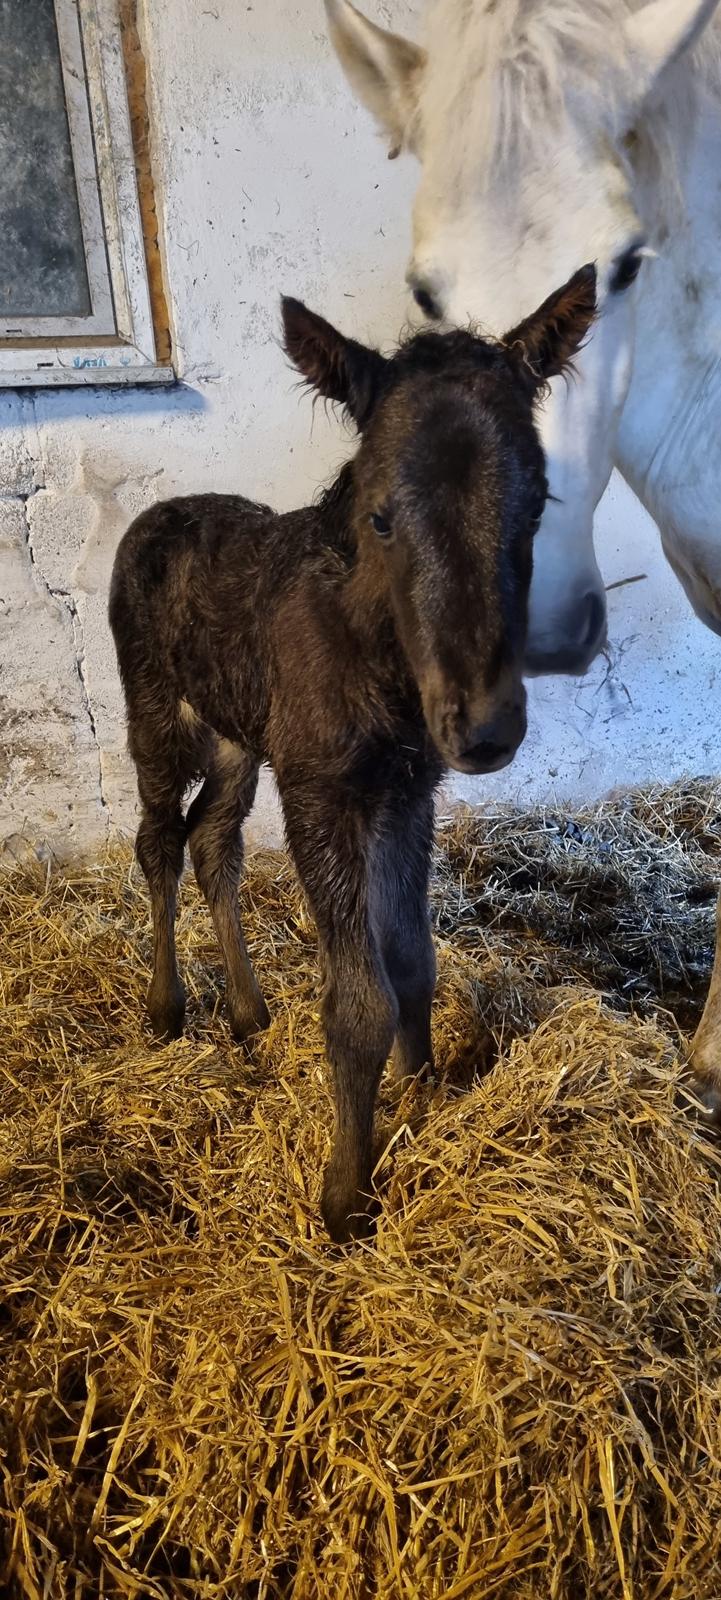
x,y
706,1046
399,883
331,847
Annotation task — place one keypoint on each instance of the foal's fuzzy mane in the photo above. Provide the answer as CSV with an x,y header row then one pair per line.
x,y
509,66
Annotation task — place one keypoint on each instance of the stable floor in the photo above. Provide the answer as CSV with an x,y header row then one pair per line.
x,y
515,1391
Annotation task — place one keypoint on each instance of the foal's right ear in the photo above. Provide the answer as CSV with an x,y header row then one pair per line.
x,y
546,343
339,369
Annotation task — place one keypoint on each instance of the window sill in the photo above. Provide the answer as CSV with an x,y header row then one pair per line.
x,y
53,369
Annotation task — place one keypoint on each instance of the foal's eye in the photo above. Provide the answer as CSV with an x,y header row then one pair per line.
x,y
425,301
537,510
626,269
382,525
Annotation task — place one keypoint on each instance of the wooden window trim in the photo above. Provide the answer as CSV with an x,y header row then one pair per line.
x,y
140,348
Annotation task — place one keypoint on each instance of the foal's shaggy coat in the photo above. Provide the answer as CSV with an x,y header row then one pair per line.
x,y
359,646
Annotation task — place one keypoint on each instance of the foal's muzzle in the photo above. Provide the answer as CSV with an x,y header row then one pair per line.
x,y
478,747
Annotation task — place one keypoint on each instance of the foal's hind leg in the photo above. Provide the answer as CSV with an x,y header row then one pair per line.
x,y
159,848
214,825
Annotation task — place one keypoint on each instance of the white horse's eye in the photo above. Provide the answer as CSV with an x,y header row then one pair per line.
x,y
626,269
425,301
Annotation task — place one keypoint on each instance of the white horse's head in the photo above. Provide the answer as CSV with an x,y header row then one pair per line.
x,y
530,119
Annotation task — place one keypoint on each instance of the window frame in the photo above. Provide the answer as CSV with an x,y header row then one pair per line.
x,y
116,344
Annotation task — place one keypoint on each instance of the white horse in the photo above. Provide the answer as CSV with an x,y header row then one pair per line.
x,y
551,133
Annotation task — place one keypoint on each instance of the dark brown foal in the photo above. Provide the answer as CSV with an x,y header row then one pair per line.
x,y
360,646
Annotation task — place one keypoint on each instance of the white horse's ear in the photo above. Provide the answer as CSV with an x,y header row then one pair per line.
x,y
658,35
382,68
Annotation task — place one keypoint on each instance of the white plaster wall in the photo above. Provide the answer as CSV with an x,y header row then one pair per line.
x,y
268,178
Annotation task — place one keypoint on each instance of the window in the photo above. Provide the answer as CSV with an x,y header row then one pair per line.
x,y
75,305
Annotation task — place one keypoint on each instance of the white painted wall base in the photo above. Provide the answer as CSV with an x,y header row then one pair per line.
x,y
270,180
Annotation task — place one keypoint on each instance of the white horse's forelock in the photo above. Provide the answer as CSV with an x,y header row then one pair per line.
x,y
506,69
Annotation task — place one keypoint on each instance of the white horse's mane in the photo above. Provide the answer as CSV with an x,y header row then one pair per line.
x,y
509,66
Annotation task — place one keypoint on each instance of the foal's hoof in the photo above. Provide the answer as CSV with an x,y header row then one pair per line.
x,y
346,1219
704,1064
167,1013
247,1020
709,1095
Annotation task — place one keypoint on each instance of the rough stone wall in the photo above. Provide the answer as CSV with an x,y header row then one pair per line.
x,y
50,763
267,179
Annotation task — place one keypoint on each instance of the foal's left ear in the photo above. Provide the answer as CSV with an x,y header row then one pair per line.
x,y
340,369
547,342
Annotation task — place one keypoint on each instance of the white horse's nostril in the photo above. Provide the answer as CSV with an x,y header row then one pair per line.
x,y
571,647
594,621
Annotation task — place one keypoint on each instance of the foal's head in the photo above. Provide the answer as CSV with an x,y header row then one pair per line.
x,y
450,488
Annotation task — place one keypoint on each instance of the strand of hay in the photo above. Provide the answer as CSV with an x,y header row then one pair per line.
x,y
516,1392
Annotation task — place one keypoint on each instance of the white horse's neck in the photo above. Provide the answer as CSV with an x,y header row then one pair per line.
x,y
669,446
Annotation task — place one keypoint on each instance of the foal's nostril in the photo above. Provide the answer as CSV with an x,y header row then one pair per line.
x,y
486,753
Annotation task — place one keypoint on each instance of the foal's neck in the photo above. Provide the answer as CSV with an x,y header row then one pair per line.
x,y
670,435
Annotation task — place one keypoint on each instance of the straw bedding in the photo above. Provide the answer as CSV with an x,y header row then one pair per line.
x,y
516,1391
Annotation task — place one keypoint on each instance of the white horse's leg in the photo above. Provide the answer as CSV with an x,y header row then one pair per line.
x,y
706,1044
